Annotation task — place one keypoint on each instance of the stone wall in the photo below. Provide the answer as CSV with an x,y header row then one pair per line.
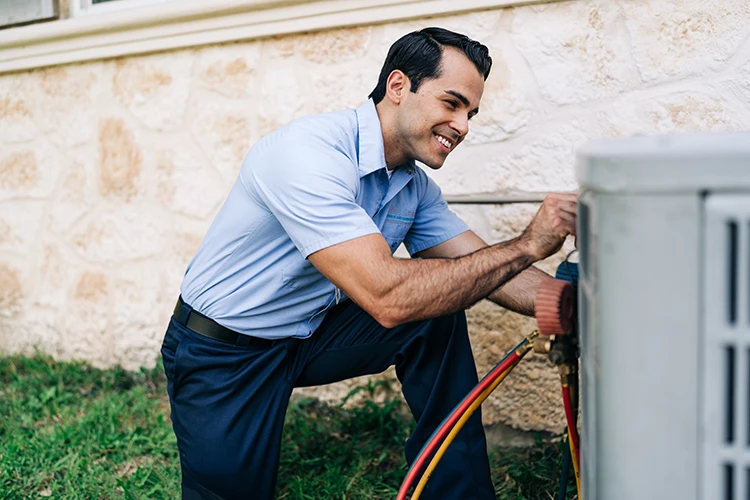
x,y
111,171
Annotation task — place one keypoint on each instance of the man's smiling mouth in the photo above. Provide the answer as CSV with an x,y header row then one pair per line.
x,y
444,141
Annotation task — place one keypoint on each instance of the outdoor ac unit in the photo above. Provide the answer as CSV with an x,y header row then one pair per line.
x,y
664,315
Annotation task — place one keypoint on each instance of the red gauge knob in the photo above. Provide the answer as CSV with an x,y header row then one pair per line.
x,y
554,307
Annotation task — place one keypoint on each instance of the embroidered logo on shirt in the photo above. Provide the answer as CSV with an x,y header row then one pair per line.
x,y
401,218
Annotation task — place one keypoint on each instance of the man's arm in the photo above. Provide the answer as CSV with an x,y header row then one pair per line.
x,y
396,291
518,294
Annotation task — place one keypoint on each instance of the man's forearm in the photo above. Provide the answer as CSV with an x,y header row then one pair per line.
x,y
519,294
433,287
397,291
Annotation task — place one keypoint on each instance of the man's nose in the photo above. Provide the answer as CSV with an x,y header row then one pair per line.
x,y
461,125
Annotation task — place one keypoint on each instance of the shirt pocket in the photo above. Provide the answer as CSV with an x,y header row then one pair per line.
x,y
396,226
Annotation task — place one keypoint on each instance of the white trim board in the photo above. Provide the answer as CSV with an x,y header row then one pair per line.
x,y
189,23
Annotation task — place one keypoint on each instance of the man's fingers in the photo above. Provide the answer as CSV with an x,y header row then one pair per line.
x,y
568,206
566,209
555,220
564,196
568,217
569,222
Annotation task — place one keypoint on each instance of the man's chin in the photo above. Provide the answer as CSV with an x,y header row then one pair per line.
x,y
433,164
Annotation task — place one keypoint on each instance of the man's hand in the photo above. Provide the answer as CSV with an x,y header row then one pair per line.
x,y
554,221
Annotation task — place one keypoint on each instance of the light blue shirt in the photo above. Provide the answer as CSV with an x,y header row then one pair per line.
x,y
316,182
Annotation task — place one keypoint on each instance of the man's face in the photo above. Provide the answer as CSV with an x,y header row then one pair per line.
x,y
435,119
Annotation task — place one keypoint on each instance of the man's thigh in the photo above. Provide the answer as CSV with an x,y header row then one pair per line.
x,y
350,343
228,406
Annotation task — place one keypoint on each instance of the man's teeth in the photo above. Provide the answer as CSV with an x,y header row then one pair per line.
x,y
445,142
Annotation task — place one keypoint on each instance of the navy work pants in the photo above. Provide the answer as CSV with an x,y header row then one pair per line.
x,y
228,402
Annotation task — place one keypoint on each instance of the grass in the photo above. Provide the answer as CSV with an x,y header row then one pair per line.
x,y
70,431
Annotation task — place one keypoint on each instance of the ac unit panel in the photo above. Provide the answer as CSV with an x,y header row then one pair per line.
x,y
664,310
639,359
726,352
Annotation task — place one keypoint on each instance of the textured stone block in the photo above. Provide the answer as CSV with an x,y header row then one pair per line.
x,y
543,163
28,173
465,171
185,186
86,335
11,290
19,225
51,285
229,70
686,111
342,89
92,287
505,109
283,97
325,47
76,196
225,133
138,323
155,88
19,171
120,160
39,332
119,236
737,83
185,244
67,99
578,51
16,110
679,38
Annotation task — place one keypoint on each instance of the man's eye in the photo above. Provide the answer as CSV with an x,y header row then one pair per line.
x,y
452,104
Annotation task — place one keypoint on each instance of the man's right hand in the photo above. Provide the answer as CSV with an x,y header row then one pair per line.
x,y
554,221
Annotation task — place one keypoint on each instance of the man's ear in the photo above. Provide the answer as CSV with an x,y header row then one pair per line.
x,y
396,85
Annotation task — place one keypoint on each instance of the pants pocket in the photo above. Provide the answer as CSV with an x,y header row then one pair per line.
x,y
169,353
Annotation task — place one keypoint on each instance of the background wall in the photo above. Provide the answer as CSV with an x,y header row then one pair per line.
x,y
111,171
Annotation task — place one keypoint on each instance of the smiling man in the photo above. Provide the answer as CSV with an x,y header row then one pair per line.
x,y
295,283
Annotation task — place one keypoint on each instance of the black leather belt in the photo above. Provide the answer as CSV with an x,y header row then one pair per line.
x,y
209,328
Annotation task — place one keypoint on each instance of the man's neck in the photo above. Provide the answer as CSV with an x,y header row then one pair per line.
x,y
392,149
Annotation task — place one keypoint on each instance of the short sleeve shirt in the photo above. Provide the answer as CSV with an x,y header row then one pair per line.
x,y
314,183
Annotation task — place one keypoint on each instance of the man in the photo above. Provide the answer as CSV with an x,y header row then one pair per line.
x,y
295,283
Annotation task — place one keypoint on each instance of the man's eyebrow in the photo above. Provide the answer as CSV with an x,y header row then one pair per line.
x,y
462,98
458,96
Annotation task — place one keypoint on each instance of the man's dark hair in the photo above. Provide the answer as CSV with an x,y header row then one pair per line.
x,y
419,55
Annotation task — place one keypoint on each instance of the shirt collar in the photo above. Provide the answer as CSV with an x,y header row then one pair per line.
x,y
371,149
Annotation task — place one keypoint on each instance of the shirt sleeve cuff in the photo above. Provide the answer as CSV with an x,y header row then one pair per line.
x,y
335,239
